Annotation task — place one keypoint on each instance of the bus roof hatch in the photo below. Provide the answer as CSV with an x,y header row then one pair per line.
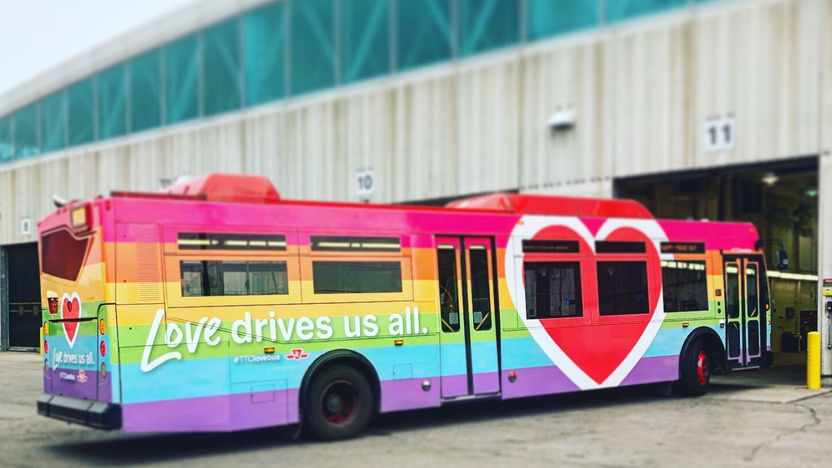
x,y
554,205
232,188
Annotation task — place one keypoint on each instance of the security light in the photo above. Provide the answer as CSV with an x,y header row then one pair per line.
x,y
770,178
562,119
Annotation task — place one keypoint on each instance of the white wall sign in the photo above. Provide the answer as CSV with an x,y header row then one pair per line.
x,y
364,183
718,134
25,226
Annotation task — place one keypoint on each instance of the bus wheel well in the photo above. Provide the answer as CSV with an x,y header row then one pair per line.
x,y
713,346
345,358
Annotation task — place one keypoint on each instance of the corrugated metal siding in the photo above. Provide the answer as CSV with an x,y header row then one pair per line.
x,y
641,92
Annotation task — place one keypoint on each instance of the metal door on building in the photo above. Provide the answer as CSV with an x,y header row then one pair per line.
x,y
22,296
746,307
469,360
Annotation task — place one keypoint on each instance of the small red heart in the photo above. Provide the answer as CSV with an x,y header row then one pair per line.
x,y
70,310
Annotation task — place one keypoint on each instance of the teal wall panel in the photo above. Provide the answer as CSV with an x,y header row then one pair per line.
x,y
145,91
53,122
26,132
6,139
423,32
292,47
546,18
81,112
221,69
182,63
313,46
618,10
365,39
265,53
112,102
487,24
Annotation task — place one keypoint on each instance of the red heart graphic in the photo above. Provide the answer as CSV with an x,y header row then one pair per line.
x,y
600,349
70,309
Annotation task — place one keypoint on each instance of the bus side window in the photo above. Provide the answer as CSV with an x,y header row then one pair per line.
x,y
622,288
448,295
553,289
356,277
233,278
684,286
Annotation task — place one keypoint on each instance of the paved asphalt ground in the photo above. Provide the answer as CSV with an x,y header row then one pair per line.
x,y
738,424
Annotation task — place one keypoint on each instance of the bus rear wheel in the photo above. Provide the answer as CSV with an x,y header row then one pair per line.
x,y
696,370
339,403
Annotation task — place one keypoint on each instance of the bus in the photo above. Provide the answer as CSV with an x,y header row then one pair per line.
x,y
215,305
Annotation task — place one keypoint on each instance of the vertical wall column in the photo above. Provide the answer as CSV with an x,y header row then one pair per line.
x,y
825,185
825,260
4,300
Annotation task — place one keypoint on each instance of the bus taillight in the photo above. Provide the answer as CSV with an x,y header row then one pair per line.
x,y
103,348
52,299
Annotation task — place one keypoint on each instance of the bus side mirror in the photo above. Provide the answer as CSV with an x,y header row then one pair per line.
x,y
782,259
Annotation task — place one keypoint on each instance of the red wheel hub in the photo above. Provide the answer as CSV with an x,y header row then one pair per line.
x,y
703,368
339,402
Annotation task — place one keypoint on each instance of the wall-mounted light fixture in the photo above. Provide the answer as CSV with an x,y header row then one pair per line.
x,y
562,119
770,178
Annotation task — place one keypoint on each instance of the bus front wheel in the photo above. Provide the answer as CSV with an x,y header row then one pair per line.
x,y
696,370
339,403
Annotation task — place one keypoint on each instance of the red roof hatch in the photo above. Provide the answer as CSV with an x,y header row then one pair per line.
x,y
231,188
554,205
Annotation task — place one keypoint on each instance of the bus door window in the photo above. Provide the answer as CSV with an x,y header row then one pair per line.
x,y
732,309
480,291
448,288
752,310
746,304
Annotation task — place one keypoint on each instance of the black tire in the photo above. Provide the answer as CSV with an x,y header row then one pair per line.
x,y
696,370
339,403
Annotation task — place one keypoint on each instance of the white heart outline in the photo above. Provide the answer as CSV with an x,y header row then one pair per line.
x,y
526,228
67,297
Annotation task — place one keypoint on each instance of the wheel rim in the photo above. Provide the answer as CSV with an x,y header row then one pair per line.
x,y
703,368
339,402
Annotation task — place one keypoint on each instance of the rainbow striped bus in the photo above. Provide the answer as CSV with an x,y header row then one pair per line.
x,y
218,306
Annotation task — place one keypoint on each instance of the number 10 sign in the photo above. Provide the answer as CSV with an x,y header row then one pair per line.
x,y
364,183
718,134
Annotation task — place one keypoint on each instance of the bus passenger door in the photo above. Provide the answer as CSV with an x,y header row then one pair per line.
x,y
746,306
468,337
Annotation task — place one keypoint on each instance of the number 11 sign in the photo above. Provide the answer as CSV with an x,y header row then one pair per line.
x,y
718,134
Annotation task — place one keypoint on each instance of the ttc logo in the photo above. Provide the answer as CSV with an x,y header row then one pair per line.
x,y
297,354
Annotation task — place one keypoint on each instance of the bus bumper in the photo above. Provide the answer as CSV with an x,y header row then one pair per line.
x,y
96,414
